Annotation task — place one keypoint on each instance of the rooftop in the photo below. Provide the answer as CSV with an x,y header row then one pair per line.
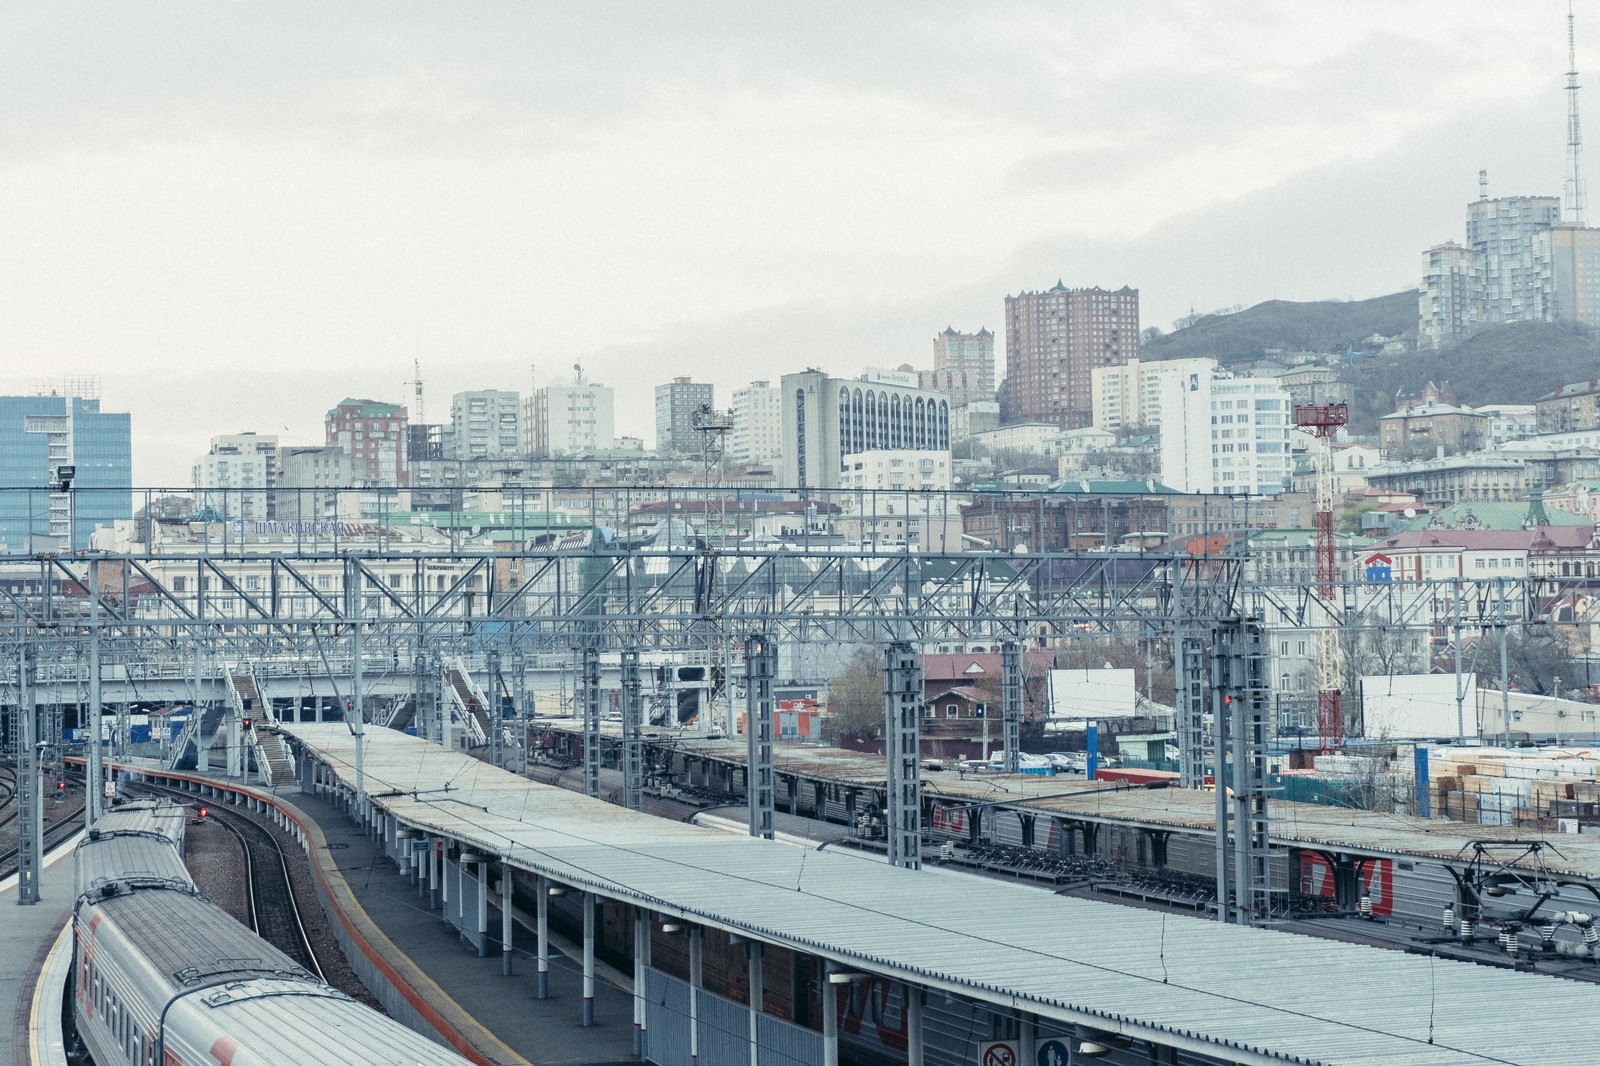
x,y
1068,960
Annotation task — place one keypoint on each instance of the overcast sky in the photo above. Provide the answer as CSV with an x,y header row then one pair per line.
x,y
237,214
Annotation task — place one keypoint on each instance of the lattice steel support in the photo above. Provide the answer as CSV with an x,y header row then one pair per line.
x,y
590,679
443,713
92,787
760,665
632,732
1241,675
519,674
1011,702
902,703
495,712
1190,668
30,785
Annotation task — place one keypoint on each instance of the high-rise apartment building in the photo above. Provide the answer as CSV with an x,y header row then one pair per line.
x,y
1505,273
963,365
374,435
1222,434
1054,342
830,424
569,419
236,477
1569,270
309,480
757,435
1444,304
40,435
485,424
676,403
1130,395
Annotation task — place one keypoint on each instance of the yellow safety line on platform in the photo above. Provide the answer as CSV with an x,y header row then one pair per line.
x,y
63,940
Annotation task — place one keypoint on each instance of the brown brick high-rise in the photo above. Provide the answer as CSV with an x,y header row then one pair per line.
x,y
1054,340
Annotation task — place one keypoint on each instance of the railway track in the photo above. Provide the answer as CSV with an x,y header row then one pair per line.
x,y
62,818
274,913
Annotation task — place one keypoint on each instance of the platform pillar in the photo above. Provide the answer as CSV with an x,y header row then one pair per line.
x,y
542,932
757,993
506,924
434,860
830,1021
641,935
913,1008
696,982
483,905
588,959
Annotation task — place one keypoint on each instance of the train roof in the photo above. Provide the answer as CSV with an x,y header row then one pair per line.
x,y
162,817
192,942
109,863
299,1028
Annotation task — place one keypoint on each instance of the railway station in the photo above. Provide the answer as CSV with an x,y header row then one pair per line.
x,y
814,928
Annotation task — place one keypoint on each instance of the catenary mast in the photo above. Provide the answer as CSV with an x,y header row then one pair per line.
x,y
1574,192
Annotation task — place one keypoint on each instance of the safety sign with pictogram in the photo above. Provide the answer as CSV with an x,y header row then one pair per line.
x,y
999,1053
1051,1052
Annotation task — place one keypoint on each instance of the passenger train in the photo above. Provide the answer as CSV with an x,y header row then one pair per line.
x,y
164,977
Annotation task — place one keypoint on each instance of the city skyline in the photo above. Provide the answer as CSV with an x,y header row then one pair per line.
x,y
237,220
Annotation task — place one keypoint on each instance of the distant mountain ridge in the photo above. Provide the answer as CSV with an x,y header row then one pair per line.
x,y
1313,326
1516,363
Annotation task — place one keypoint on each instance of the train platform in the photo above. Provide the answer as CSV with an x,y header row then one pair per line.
x,y
500,1016
26,936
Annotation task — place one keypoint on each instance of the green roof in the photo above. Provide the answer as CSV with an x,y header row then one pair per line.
x,y
1104,487
1302,538
1488,514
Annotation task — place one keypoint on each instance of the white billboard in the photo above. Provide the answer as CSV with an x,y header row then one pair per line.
x,y
1092,694
1416,706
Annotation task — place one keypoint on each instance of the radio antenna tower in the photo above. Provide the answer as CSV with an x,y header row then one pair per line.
x,y
1574,191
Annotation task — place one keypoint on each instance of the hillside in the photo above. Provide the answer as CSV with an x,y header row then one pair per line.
x,y
1316,326
1504,364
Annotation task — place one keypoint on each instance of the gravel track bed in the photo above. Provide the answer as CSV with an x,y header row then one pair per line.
x,y
216,863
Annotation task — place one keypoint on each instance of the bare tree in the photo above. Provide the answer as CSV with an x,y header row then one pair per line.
x,y
855,696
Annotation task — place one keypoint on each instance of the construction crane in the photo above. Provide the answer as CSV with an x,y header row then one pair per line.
x,y
417,418
1324,420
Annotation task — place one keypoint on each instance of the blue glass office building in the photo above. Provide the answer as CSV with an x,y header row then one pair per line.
x,y
40,434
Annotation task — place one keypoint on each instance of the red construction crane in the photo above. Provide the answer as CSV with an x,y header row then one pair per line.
x,y
1323,420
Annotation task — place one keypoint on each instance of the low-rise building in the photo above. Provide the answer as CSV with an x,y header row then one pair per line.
x,y
1569,408
1456,478
1431,429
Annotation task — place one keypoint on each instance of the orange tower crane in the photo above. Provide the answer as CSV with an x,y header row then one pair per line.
x,y
1323,420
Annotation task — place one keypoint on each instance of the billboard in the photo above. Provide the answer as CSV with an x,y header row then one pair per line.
x,y
1092,694
1416,706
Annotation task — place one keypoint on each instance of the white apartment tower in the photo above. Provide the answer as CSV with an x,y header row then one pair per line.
x,y
484,424
1505,274
1130,395
236,476
757,435
569,419
1445,312
1222,434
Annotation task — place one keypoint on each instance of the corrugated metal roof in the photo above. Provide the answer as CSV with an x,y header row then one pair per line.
x,y
1306,825
1251,994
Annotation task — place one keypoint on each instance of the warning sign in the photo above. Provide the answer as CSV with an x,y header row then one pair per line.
x,y
999,1053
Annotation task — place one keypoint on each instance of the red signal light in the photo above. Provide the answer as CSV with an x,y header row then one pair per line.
x,y
204,811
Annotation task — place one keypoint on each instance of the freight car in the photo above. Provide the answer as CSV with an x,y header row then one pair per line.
x,y
163,977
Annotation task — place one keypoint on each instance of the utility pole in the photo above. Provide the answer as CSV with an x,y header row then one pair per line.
x,y
902,697
760,664
91,799
30,783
